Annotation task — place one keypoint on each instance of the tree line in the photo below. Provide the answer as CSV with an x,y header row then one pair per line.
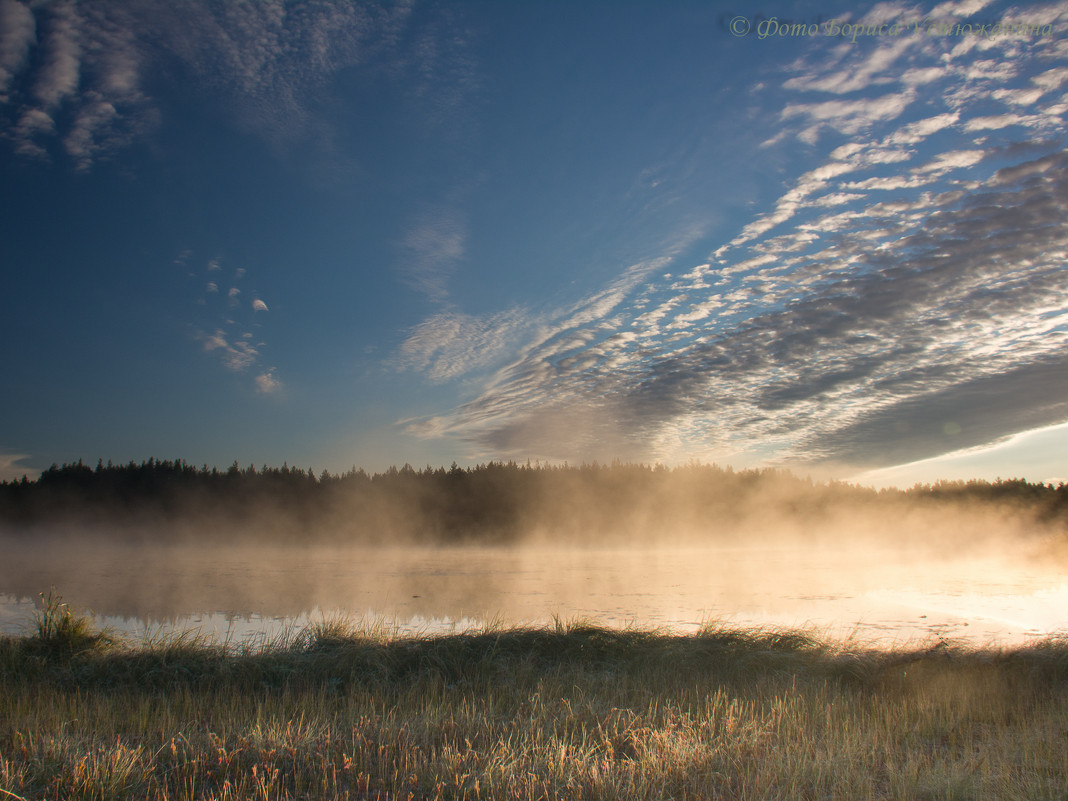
x,y
495,501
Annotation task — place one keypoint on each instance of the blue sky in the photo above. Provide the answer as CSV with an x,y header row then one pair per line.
x,y
339,234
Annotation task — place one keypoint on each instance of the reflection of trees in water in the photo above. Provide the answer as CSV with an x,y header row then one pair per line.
x,y
163,583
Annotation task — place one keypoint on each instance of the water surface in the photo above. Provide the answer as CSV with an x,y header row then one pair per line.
x,y
874,595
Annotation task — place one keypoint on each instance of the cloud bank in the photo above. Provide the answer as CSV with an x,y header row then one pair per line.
x,y
905,297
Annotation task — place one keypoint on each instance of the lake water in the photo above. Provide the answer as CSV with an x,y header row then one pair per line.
x,y
876,596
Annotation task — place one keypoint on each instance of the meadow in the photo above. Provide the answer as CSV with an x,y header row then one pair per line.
x,y
572,710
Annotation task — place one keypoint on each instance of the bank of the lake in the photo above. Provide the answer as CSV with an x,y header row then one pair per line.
x,y
571,711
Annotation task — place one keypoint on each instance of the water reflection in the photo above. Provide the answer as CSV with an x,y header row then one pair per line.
x,y
237,592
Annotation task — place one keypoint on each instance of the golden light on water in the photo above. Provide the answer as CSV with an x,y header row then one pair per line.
x,y
877,596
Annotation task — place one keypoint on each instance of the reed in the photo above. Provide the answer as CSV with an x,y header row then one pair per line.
x,y
575,710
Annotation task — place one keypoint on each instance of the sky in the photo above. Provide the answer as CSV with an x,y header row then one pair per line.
x,y
824,237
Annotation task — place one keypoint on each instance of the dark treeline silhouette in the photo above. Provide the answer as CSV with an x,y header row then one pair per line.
x,y
494,502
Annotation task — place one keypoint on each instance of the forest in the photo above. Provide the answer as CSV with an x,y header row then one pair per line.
x,y
499,502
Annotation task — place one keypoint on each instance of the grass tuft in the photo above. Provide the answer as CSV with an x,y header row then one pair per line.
x,y
63,633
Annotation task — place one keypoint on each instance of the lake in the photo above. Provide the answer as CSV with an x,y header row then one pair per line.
x,y
876,595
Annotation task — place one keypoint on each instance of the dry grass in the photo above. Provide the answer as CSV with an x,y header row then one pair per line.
x,y
574,711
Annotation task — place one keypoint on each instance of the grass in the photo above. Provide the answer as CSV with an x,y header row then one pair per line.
x,y
64,633
574,710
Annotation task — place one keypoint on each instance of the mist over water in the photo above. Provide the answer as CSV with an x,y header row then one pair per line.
x,y
243,551
876,595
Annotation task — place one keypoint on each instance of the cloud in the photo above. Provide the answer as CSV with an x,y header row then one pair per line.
x,y
994,122
79,66
880,67
564,342
82,142
32,124
918,131
270,65
846,116
905,320
238,355
1051,79
965,414
18,33
431,249
267,383
953,160
450,344
231,340
59,74
272,61
905,296
10,469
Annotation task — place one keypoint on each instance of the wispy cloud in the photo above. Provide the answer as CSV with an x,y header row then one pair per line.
x,y
11,469
272,61
431,249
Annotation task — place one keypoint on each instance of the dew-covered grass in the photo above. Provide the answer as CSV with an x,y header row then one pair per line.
x,y
573,710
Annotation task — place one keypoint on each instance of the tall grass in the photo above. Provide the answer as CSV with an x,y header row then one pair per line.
x,y
62,632
572,711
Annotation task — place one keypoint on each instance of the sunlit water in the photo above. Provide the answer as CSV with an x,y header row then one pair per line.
x,y
876,597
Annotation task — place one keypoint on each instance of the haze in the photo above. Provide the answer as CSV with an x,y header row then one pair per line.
x,y
622,544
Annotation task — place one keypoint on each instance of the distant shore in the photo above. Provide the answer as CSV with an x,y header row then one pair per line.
x,y
508,503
